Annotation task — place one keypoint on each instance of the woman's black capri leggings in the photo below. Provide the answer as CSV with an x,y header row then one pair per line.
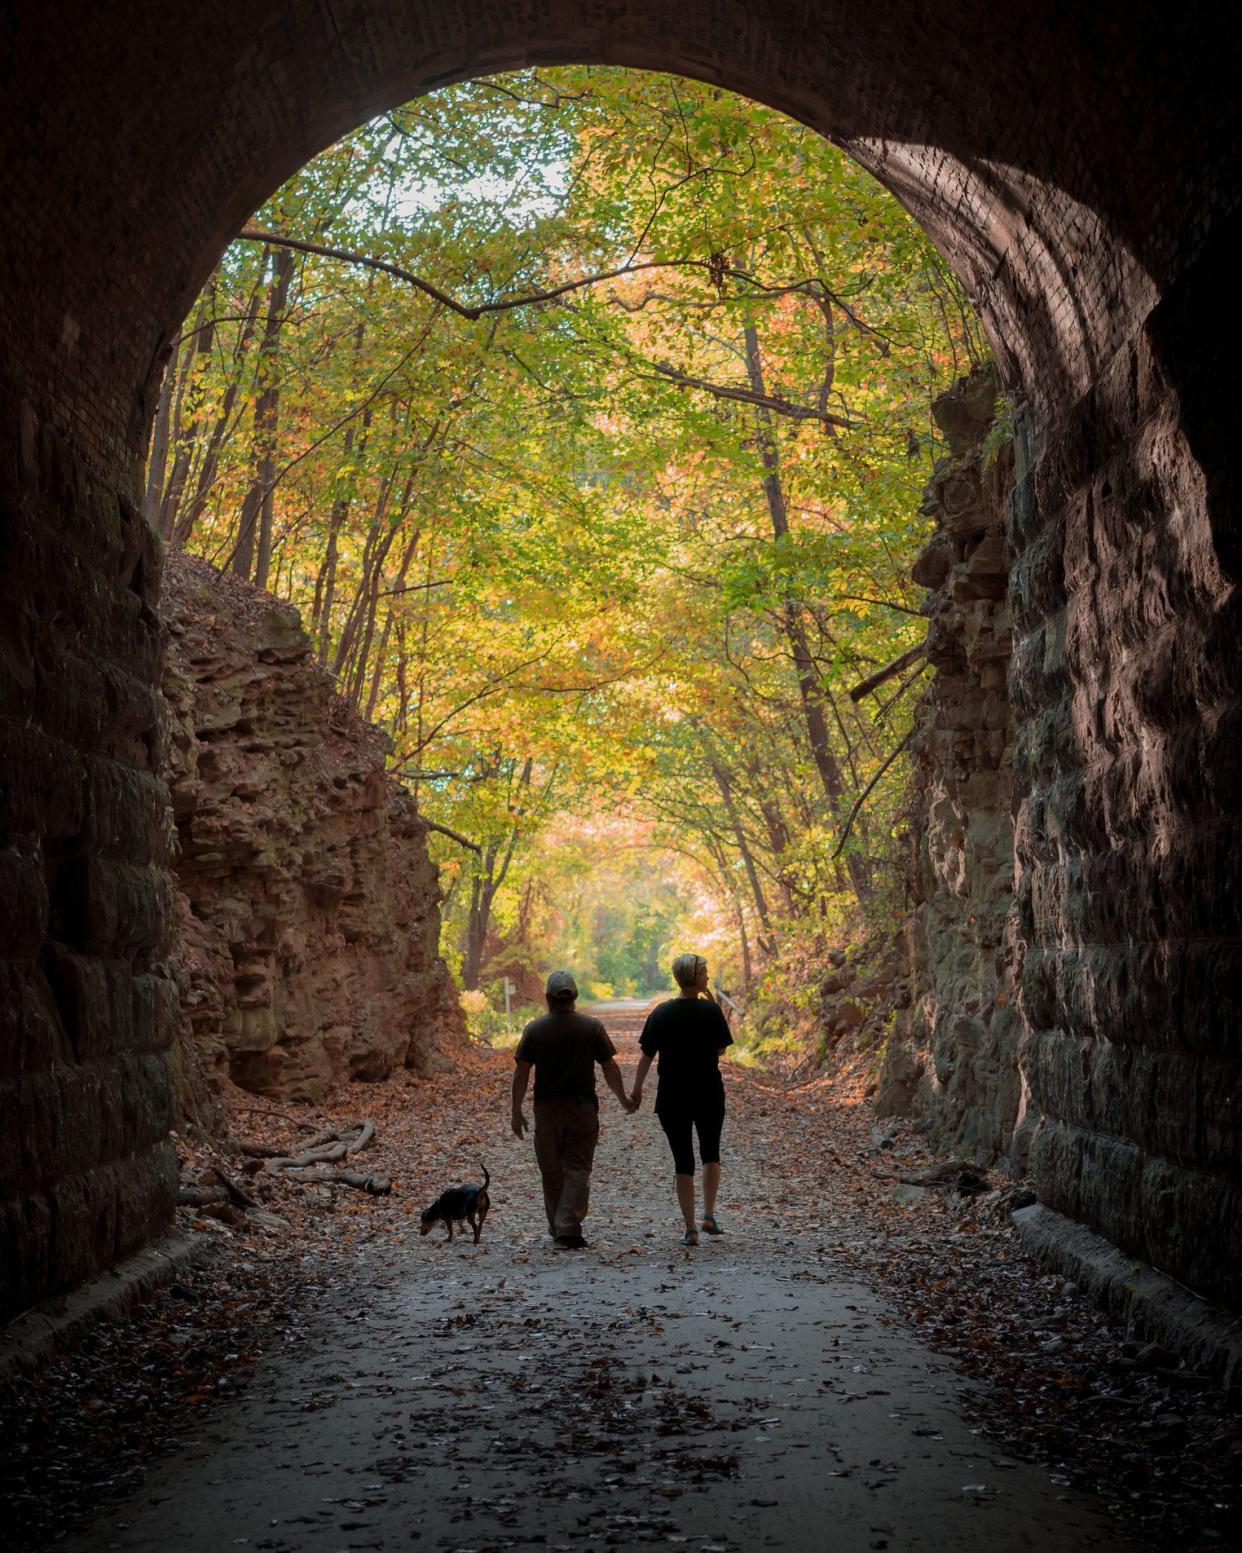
x,y
706,1117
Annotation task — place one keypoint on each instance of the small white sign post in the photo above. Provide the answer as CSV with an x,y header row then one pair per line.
x,y
510,989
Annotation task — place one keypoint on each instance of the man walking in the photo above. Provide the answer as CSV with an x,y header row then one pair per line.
x,y
563,1047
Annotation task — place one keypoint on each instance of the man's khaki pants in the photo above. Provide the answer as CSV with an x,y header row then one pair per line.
x,y
566,1132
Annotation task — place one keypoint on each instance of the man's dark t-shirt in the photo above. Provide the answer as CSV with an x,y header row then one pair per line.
x,y
564,1048
687,1035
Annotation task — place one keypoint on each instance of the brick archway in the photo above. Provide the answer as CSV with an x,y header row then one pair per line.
x,y
1079,167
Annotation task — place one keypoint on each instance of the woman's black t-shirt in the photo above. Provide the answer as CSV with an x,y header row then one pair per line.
x,y
687,1035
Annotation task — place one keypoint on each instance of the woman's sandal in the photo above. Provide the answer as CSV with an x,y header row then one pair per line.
x,y
710,1226
690,1238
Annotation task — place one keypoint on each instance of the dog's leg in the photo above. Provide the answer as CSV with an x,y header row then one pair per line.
x,y
476,1224
448,1224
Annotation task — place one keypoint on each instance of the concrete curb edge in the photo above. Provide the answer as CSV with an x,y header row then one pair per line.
x,y
1206,1336
31,1338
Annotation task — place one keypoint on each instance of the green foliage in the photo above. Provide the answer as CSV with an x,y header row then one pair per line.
x,y
486,1021
603,566
1001,430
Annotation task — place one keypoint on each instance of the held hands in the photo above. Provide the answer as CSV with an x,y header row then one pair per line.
x,y
635,1100
519,1123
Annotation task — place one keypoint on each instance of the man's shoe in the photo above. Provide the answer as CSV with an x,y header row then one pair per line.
x,y
571,1242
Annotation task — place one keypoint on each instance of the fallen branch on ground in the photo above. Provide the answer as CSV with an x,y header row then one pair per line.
x,y
254,1150
270,1110
320,1161
213,1186
235,1193
968,1179
328,1147
374,1184
200,1196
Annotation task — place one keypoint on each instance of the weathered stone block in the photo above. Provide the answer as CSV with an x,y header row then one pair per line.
x,y
42,794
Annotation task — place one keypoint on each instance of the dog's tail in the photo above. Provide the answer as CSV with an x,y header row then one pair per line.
x,y
487,1180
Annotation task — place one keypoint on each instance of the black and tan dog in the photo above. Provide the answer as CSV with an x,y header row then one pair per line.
x,y
460,1205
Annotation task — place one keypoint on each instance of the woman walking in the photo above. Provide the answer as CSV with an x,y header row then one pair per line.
x,y
688,1033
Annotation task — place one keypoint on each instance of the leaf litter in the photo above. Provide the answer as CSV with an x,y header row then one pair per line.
x,y
1046,1374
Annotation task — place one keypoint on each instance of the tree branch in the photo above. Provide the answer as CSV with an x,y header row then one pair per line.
x,y
864,795
858,598
507,304
874,681
454,835
421,587
786,407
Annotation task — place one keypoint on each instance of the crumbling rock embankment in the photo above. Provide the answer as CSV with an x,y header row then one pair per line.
x,y
308,910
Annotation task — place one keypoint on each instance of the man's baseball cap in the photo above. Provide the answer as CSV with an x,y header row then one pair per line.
x,y
561,986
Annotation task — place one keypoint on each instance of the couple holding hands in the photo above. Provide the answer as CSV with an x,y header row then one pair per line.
x,y
686,1034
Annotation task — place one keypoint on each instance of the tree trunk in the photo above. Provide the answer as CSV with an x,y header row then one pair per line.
x,y
407,558
793,628
177,525
252,554
744,941
482,893
325,582
487,882
158,463
743,846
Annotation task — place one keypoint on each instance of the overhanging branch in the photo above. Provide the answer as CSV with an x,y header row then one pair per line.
x,y
778,406
874,681
454,835
864,795
474,312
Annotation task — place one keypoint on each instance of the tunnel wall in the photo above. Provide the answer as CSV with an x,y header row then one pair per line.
x,y
1074,952
1078,166
87,1008
1125,686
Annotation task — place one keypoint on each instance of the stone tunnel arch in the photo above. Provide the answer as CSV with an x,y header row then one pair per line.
x,y
1079,168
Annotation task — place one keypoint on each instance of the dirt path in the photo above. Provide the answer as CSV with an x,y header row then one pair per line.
x,y
750,1393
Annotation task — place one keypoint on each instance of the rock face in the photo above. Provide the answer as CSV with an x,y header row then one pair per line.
x,y
308,906
956,1056
1126,685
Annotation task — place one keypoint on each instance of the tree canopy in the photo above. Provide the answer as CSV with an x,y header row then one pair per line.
x,y
585,415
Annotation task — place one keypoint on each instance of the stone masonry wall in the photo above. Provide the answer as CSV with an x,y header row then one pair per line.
x,y
1075,966
1126,684
956,1055
309,923
88,1006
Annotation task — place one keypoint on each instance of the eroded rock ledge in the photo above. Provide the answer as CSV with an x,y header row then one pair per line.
x,y
308,905
956,1055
